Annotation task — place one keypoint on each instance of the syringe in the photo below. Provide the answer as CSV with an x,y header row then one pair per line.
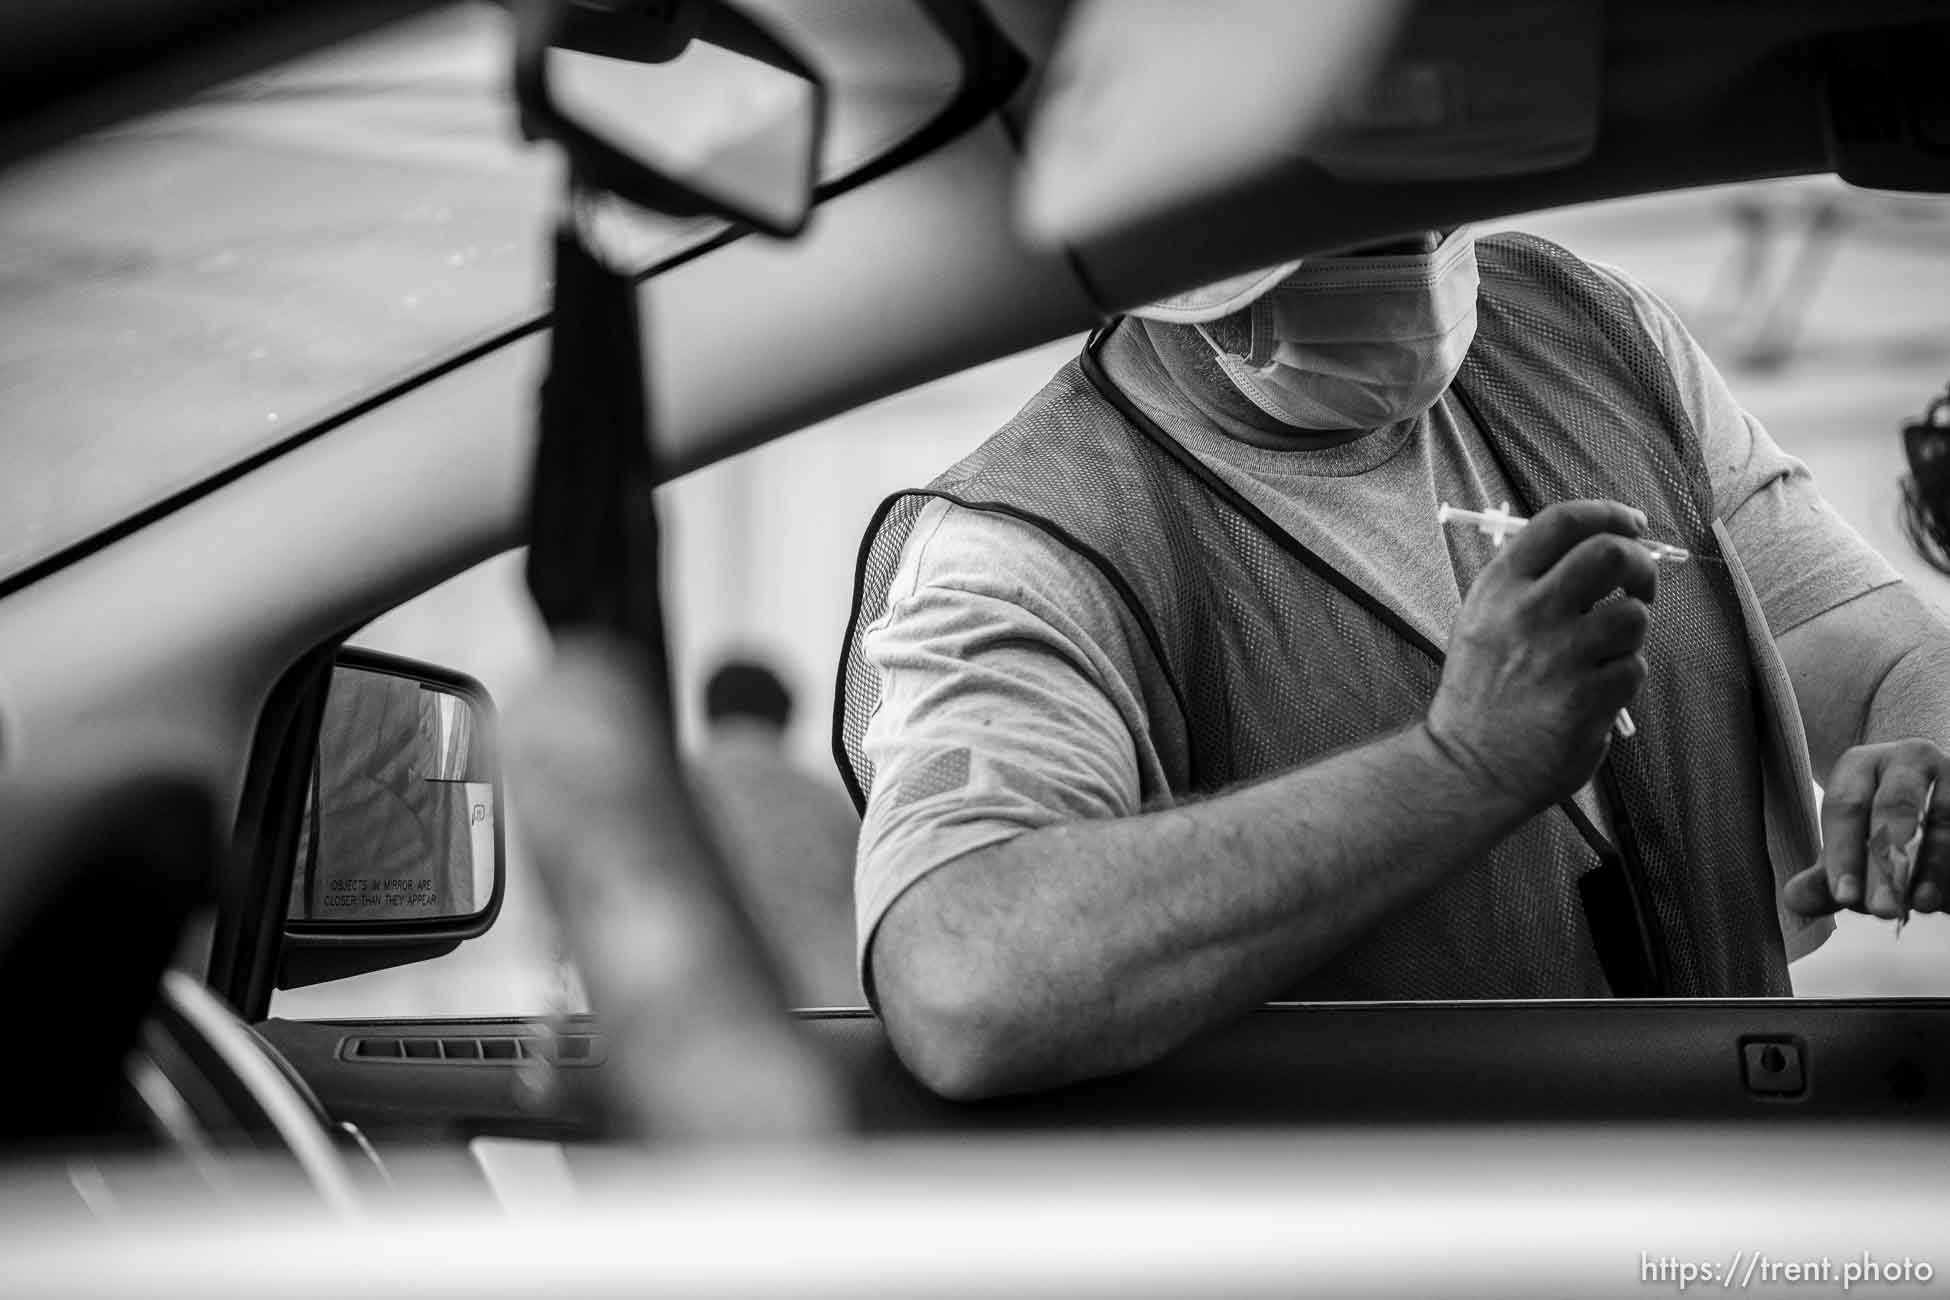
x,y
1499,524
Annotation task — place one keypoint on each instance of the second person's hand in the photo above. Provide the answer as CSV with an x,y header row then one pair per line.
x,y
1876,801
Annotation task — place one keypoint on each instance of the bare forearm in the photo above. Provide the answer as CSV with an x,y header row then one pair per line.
x,y
1913,700
1874,669
1089,947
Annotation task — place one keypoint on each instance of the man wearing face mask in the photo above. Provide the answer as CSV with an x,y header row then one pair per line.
x,y
1175,698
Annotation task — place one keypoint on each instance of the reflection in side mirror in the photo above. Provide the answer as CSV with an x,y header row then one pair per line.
x,y
402,818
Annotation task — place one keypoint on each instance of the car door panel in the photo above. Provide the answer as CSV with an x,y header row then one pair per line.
x,y
1289,1065
423,1082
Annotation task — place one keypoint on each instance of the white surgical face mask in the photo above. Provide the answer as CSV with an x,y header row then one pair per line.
x,y
1359,342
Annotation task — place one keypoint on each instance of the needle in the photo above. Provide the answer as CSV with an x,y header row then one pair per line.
x,y
1499,524
1906,863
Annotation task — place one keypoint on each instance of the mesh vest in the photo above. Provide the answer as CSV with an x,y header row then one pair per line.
x,y
1275,659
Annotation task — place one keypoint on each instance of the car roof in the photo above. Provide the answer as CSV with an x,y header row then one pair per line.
x,y
1683,95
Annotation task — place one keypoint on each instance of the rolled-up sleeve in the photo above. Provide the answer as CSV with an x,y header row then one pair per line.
x,y
1007,701
1802,557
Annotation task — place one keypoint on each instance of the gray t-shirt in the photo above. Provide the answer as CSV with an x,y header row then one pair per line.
x,y
1011,699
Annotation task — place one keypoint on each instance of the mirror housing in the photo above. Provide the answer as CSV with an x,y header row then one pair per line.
x,y
1886,108
581,76
401,856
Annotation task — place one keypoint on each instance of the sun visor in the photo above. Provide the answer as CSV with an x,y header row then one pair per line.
x,y
1470,92
1152,106
1158,106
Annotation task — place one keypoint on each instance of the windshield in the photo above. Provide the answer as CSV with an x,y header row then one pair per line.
x,y
187,289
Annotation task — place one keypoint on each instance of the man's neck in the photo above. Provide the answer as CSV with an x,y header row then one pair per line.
x,y
1187,361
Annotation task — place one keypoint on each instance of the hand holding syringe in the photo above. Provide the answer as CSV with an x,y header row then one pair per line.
x,y
1499,524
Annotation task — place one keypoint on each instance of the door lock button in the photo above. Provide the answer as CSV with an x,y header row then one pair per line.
x,y
1774,1067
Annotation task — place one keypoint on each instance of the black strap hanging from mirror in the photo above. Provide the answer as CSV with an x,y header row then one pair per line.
x,y
595,546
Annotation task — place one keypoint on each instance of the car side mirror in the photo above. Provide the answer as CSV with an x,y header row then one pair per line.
x,y
400,851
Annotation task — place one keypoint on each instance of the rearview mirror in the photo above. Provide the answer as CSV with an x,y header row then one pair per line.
x,y
684,107
400,852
